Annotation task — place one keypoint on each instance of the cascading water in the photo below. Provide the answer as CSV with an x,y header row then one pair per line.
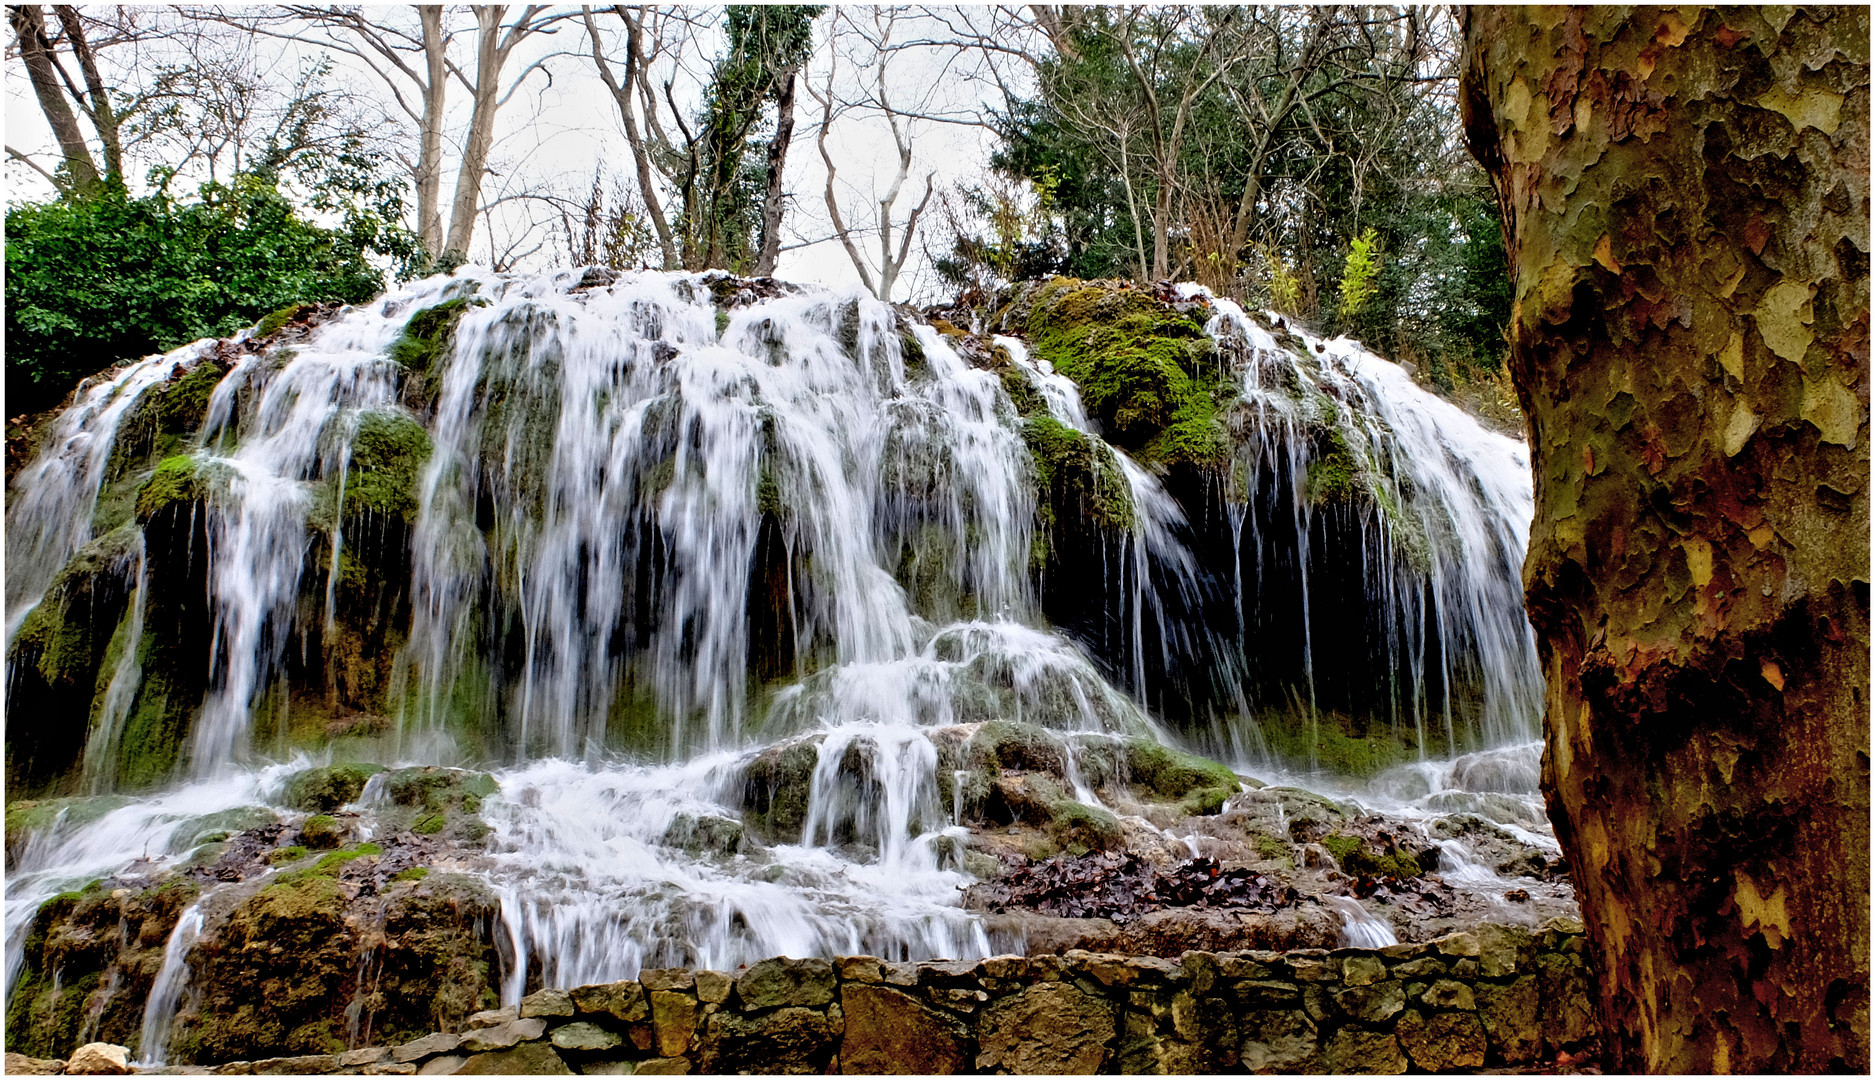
x,y
633,544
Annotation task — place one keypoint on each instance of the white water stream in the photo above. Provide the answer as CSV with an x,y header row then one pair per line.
x,y
624,482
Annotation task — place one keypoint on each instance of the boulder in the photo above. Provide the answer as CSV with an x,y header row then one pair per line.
x,y
585,1037
773,983
1277,1040
1048,1028
430,1045
99,1059
532,1059
888,1031
674,1018
547,1002
1442,1042
503,1036
1354,1050
622,1001
21,1065
785,1040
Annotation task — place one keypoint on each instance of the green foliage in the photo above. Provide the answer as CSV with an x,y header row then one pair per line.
x,y
104,277
1358,273
723,200
1145,370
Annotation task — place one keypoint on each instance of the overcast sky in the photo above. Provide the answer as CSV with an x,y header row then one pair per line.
x,y
563,127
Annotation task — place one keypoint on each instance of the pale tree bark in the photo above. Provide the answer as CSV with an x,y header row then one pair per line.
x,y
29,29
429,171
621,91
1685,196
493,46
772,202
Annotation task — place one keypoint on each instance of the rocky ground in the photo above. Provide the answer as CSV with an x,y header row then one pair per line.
x,y
343,917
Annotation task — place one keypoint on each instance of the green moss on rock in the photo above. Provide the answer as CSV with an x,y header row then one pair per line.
x,y
1144,369
431,801
276,321
328,787
389,451
426,340
776,784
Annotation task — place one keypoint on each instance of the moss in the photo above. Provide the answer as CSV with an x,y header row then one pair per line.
x,y
412,873
1146,370
29,817
1356,856
389,451
430,801
284,855
160,425
1326,744
427,338
276,321
911,352
438,962
1200,785
334,862
328,787
1271,847
177,482
1077,474
775,788
218,826
322,831
1334,475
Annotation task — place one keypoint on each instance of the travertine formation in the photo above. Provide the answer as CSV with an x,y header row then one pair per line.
x,y
1496,997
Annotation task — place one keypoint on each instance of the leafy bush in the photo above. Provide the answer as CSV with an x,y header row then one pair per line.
x,y
103,277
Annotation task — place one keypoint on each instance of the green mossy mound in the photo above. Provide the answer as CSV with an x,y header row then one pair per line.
x,y
276,321
216,827
1079,477
328,787
776,784
1147,371
88,964
389,451
159,426
1154,772
433,801
1366,857
27,818
425,343
177,483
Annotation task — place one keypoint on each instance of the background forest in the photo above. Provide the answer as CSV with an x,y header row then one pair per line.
x,y
180,172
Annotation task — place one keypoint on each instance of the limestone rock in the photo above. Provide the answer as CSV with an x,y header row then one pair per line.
x,y
1353,1050
667,978
532,1059
773,983
1362,970
1048,1028
860,969
440,1043
1277,1040
585,1036
664,1066
623,1001
888,1031
488,1018
99,1059
1446,994
1443,1041
445,1065
364,1055
713,986
547,1003
21,1065
1510,1020
298,1065
787,1040
503,1036
1374,1004
674,1018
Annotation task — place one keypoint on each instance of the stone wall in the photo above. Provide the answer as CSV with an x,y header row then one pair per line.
x,y
1491,998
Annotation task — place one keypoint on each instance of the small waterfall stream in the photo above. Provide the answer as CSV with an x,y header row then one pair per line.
x,y
640,539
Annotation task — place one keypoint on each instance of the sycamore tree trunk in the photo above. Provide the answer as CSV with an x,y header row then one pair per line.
x,y
1685,199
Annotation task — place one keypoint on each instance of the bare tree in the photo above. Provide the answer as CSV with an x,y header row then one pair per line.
x,y
412,56
895,240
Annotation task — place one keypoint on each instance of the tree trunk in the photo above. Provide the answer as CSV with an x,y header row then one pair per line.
x,y
29,27
430,138
1686,211
489,58
777,164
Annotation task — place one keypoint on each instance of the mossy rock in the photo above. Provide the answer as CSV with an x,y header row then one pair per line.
x,y
1356,855
276,321
28,818
161,424
430,801
1198,784
178,483
328,787
438,963
776,785
426,341
322,831
218,826
704,835
1146,370
82,942
389,451
1078,476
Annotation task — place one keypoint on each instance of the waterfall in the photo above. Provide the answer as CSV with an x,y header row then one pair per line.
x,y
642,540
50,506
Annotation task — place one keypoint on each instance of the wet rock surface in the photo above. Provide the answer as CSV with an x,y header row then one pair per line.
x,y
1501,998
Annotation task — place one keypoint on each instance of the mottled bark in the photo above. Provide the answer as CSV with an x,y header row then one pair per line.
x,y
29,29
1685,194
